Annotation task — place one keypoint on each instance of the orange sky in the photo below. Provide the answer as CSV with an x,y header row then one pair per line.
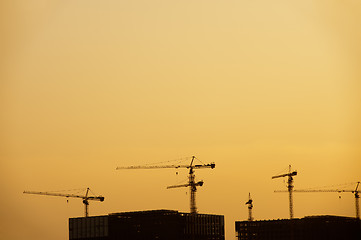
x,y
254,86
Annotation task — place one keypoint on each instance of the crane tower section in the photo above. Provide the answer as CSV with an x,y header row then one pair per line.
x,y
249,203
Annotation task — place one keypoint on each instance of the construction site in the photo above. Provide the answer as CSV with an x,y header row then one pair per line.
x,y
309,227
171,224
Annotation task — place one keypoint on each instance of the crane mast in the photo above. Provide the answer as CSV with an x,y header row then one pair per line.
x,y
357,197
85,198
289,186
249,203
192,184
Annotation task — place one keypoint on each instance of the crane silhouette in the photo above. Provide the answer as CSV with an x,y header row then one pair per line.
x,y
249,203
289,186
85,197
192,184
355,192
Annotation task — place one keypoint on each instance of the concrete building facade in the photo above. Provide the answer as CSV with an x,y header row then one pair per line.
x,y
148,225
308,228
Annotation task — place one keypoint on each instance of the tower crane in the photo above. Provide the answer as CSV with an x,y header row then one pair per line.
x,y
289,186
355,192
250,206
85,197
192,184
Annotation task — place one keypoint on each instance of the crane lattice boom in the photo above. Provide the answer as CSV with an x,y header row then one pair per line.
x,y
84,197
211,165
294,173
98,198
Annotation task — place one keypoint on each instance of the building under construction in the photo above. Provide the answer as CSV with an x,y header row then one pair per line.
x,y
148,225
307,228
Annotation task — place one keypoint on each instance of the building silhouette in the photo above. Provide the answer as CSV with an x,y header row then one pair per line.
x,y
307,228
148,225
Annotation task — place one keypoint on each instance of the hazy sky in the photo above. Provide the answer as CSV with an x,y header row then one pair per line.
x,y
253,86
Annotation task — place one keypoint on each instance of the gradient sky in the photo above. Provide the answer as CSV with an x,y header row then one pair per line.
x,y
86,86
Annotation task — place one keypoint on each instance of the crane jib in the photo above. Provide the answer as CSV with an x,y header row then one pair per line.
x,y
211,165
